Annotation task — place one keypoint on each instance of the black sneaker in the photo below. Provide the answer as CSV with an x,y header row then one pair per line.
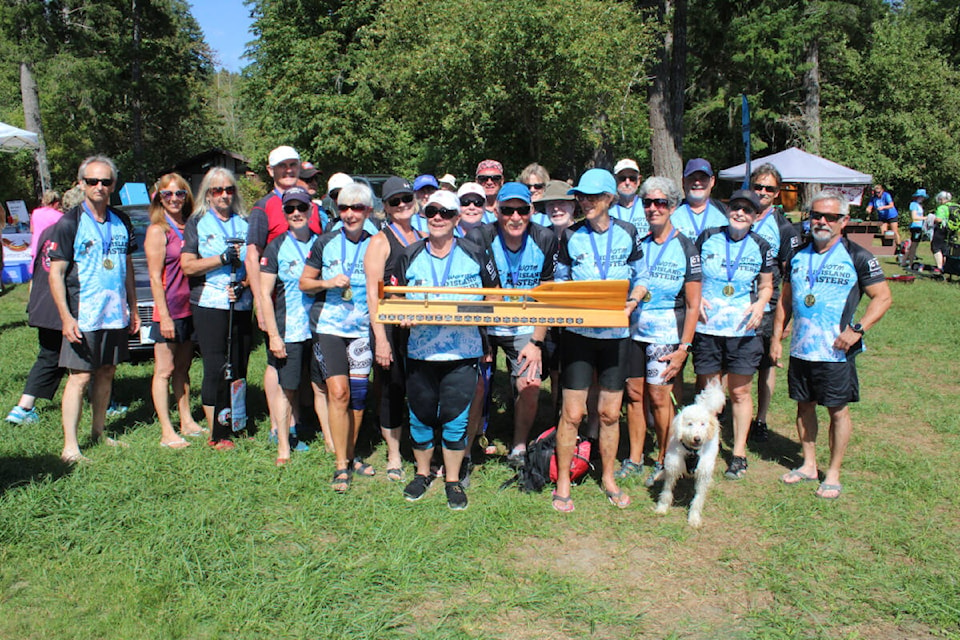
x,y
456,497
738,467
417,487
759,431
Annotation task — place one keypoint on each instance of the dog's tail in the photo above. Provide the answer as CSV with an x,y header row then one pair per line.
x,y
712,398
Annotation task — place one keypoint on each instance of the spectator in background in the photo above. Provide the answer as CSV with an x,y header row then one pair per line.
x,y
917,217
336,182
536,177
628,207
424,186
887,213
46,215
310,176
945,206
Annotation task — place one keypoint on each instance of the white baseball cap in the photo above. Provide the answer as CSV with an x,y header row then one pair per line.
x,y
338,181
282,154
626,163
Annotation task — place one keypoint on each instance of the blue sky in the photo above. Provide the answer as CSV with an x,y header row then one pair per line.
x,y
225,25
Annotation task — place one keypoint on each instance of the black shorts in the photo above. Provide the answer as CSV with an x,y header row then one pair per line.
x,y
829,384
97,349
511,346
643,361
765,331
939,241
581,356
340,356
182,331
714,354
292,369
916,234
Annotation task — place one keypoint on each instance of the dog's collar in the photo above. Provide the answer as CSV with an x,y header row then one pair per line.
x,y
692,459
690,450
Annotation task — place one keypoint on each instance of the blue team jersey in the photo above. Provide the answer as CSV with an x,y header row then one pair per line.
x,y
369,225
633,214
664,270
578,260
466,265
729,296
205,236
334,253
822,311
285,257
534,263
693,224
96,294
783,239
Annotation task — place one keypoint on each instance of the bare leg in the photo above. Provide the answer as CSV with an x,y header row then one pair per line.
x,y
636,418
163,367
571,415
392,438
609,412
274,396
423,457
662,416
807,429
183,356
742,402
451,464
72,408
525,411
284,408
323,414
208,415
338,400
100,398
841,427
766,380
27,401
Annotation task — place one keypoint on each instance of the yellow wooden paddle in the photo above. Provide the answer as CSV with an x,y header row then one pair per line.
x,y
583,294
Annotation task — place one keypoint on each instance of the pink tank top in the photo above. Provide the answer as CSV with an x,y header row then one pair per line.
x,y
175,283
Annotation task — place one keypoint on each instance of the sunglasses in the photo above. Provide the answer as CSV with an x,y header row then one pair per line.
x,y
92,182
508,212
539,186
166,195
660,203
466,202
217,191
769,188
446,214
829,217
356,207
482,179
395,201
302,207
628,178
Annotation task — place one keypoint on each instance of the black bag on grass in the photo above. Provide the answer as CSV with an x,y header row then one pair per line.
x,y
540,468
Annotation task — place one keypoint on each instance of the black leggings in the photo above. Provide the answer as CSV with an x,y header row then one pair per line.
x,y
393,381
211,329
46,373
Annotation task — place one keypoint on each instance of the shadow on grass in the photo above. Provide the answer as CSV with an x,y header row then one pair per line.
x,y
13,325
20,470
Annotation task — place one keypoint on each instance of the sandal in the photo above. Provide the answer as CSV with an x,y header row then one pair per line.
x,y
628,468
619,499
563,504
833,488
341,480
795,476
395,474
363,469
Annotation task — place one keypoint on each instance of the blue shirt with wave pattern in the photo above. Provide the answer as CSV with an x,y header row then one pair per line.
x,y
285,258
660,320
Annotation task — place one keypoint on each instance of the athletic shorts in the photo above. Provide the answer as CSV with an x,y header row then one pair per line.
x,y
292,369
765,331
829,384
916,234
581,356
887,215
512,345
939,242
644,361
339,356
739,355
97,349
182,331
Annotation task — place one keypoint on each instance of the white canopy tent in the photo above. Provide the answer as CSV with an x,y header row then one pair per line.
x,y
13,139
799,166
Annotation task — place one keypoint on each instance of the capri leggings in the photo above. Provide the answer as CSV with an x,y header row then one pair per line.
x,y
211,329
440,394
393,381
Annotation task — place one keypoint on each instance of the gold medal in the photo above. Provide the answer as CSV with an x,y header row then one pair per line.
x,y
810,300
648,297
107,263
347,294
728,291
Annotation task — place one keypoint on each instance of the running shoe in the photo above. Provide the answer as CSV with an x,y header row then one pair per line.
x,y
19,415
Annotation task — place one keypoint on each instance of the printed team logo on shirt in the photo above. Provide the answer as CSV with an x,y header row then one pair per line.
x,y
85,248
294,267
264,261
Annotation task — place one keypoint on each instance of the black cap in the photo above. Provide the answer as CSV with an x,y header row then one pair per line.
x,y
750,196
395,185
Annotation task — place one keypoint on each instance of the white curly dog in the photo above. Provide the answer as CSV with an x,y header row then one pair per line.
x,y
693,448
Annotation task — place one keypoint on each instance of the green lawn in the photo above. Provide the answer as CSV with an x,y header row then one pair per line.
x,y
152,543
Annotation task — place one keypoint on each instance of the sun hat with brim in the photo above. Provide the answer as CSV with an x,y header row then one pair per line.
x,y
445,199
395,185
595,181
296,193
512,190
556,190
921,193
748,195
449,179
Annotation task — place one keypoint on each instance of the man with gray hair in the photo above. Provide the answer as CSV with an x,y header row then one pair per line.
x,y
91,283
821,290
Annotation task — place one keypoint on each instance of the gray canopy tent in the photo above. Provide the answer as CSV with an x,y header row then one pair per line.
x,y
799,166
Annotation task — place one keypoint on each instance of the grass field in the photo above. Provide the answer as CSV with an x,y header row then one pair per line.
x,y
153,543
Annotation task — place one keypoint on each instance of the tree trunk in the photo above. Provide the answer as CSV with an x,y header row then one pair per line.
x,y
811,108
136,113
665,97
31,116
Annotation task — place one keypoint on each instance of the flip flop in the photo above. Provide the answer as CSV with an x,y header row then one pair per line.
x,y
363,469
395,475
824,487
77,458
282,461
619,499
563,504
194,434
176,444
795,476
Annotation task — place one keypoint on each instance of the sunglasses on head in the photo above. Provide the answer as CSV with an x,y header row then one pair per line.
x,y
475,201
539,186
625,178
769,188
446,214
491,178
395,201
660,203
166,195
92,182
356,207
216,191
509,211
829,217
302,207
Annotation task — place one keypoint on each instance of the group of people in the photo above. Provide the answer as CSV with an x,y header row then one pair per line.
x,y
720,282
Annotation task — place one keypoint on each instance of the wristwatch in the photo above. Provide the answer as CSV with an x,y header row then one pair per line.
x,y
858,328
537,343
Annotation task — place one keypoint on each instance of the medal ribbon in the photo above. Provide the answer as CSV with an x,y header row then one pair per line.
x,y
651,267
107,239
603,267
813,275
396,232
296,245
632,209
513,268
446,269
176,229
732,270
343,253
693,220
223,227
